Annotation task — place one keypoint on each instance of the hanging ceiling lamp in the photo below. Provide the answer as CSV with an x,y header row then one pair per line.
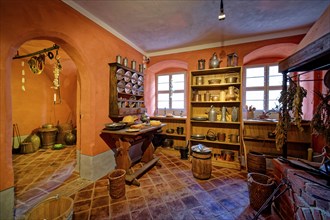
x,y
222,15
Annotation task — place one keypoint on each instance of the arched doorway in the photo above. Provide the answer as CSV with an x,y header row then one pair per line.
x,y
83,126
34,103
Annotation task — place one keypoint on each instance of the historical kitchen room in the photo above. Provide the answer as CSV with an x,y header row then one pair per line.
x,y
165,109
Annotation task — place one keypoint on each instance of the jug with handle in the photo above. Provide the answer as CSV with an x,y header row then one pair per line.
x,y
212,114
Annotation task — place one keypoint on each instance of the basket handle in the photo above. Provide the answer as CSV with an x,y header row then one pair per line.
x,y
210,132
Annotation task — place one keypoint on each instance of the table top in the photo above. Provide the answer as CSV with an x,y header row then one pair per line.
x,y
130,132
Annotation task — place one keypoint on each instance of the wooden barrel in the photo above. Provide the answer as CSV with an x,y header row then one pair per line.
x,y
256,162
60,208
201,165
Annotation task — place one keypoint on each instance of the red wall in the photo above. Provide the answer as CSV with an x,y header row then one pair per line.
x,y
89,46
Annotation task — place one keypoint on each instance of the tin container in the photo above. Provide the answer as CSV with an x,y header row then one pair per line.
x,y
199,80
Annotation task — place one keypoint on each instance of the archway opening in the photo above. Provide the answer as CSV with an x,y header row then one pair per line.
x,y
35,103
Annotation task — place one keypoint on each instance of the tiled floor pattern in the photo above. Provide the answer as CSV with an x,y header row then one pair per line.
x,y
170,192
40,174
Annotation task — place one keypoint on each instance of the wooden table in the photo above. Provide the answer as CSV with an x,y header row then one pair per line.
x,y
132,147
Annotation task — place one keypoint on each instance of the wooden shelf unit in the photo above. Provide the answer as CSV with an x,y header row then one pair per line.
x,y
173,123
122,103
256,139
200,108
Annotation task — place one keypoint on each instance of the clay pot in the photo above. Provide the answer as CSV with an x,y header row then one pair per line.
x,y
70,138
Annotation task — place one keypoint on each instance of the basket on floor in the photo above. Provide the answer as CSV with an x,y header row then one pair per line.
x,y
117,183
260,188
52,208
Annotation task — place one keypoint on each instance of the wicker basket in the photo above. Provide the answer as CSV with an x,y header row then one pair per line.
x,y
52,208
117,183
260,188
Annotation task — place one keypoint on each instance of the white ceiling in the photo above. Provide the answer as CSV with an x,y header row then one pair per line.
x,y
156,27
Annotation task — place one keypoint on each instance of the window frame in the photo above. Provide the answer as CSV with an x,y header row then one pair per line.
x,y
266,88
170,74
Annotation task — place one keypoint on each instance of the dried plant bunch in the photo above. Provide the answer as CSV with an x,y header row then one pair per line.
x,y
321,119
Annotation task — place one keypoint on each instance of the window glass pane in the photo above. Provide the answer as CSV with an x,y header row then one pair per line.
x,y
178,78
178,105
178,96
163,87
275,80
256,99
254,95
163,83
164,79
274,95
164,97
259,105
273,71
178,86
254,82
255,72
163,105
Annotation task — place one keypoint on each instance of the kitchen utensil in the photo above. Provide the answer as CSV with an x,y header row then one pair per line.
x,y
231,79
223,114
207,96
215,98
134,78
214,61
140,80
133,64
199,118
212,114
170,130
234,114
198,136
118,59
221,136
199,80
210,135
128,88
179,130
232,59
115,126
120,74
127,76
201,64
125,61
233,138
214,81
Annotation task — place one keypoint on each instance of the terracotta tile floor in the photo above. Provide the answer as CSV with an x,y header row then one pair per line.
x,y
39,175
166,192
170,192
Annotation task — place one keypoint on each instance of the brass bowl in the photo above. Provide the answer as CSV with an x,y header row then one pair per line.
x,y
214,81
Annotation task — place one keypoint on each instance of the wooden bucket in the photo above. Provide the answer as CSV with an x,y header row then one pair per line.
x,y
117,183
201,165
256,162
53,208
260,189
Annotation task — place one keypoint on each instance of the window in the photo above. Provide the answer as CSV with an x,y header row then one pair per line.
x,y
170,91
263,86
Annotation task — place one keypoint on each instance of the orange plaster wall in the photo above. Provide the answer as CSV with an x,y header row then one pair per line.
x,y
91,49
34,107
190,59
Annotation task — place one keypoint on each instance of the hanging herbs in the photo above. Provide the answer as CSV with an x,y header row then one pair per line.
x,y
321,119
293,99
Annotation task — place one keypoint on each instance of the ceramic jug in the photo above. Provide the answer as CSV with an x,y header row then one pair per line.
x,y
214,61
234,114
232,93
